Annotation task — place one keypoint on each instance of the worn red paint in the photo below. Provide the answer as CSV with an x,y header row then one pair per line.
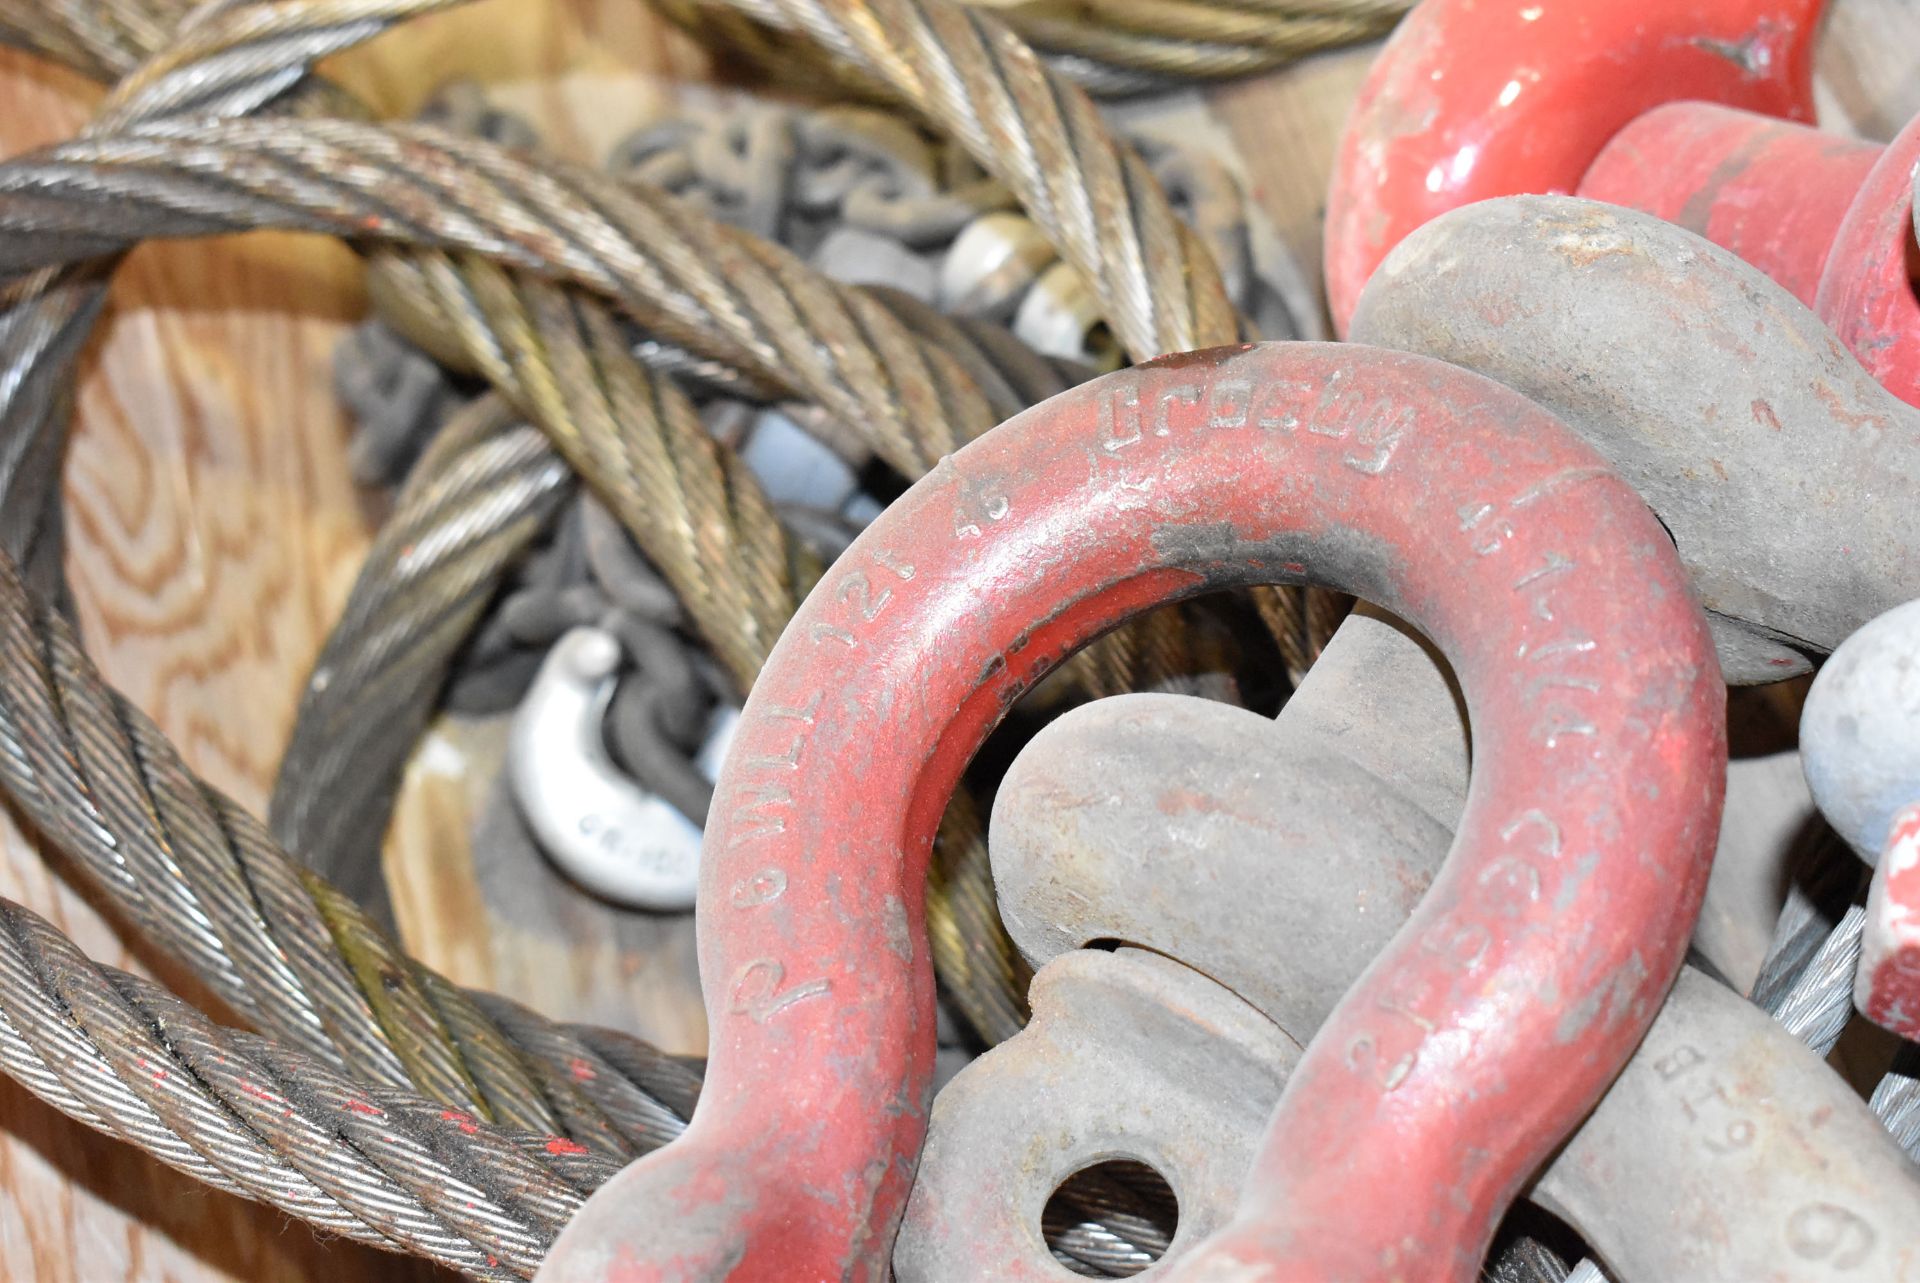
x,y
581,1070
1487,1028
560,1145
1473,99
1887,988
1773,192
1829,218
463,1121
1867,292
362,1107
1589,99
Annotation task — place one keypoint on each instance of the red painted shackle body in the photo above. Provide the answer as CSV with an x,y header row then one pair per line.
x,y
1473,99
1830,218
1470,101
1486,1029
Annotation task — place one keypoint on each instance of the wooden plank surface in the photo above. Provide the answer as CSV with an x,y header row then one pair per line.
x,y
214,532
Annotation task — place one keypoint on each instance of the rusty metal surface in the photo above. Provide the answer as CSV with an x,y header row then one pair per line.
x,y
1129,1053
1773,458
1866,293
1444,496
1473,99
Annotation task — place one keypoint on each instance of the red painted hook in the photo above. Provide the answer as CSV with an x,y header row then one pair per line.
x,y
1489,1025
1473,99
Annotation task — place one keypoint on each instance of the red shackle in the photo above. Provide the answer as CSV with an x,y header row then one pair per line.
x,y
1473,99
1486,1029
1830,218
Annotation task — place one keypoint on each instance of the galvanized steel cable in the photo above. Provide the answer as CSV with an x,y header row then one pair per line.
x,y
228,57
1116,47
1045,139
1162,43
200,876
637,1098
438,1061
842,346
282,949
1897,1099
250,1117
704,522
471,504
1093,196
1806,979
486,485
698,284
104,39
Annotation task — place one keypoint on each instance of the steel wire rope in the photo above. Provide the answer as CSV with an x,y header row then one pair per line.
x,y
980,897
285,952
1091,194
1115,48
227,57
248,1116
46,675
428,1041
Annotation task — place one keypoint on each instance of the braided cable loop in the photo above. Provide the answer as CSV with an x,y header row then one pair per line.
x,y
758,309
1093,195
479,494
226,58
869,366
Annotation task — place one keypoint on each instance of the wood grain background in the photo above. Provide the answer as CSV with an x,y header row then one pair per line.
x,y
214,532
